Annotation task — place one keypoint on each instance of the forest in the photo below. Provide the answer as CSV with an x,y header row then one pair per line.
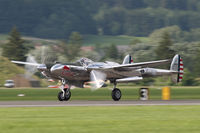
x,y
53,19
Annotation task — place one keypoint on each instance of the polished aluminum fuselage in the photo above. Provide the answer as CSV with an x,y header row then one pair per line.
x,y
83,72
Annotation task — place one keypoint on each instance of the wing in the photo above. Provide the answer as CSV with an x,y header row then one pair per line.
x,y
143,64
133,65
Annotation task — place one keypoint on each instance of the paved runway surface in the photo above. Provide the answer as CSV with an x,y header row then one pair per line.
x,y
95,103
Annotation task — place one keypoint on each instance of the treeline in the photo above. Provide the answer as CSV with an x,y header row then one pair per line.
x,y
57,19
163,44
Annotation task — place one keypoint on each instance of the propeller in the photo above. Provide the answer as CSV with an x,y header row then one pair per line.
x,y
30,66
97,79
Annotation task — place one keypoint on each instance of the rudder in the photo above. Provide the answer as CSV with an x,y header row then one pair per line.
x,y
177,66
127,59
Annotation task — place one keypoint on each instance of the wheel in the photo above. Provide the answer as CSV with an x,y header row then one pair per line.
x,y
60,96
66,97
116,94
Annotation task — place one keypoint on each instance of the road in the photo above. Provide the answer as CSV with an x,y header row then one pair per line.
x,y
95,103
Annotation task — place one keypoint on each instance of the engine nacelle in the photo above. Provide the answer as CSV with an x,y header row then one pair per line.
x,y
148,72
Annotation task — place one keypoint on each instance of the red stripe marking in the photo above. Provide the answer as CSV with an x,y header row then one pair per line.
x,y
132,60
181,59
66,68
181,64
181,68
180,77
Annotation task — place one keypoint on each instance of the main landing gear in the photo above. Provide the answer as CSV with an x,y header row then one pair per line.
x,y
64,94
116,93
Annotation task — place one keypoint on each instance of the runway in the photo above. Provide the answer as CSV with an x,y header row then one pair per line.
x,y
95,103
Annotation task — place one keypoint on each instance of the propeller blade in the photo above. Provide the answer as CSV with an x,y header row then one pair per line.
x,y
26,63
30,69
97,79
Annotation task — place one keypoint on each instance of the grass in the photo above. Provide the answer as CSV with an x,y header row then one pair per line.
x,y
3,37
128,93
129,119
101,119
8,70
88,40
107,40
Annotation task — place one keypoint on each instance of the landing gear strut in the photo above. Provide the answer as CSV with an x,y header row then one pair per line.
x,y
116,93
64,94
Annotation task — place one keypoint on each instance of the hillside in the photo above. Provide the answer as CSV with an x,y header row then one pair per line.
x,y
8,70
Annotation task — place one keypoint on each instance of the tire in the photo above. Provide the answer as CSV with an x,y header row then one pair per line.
x,y
116,94
66,96
60,96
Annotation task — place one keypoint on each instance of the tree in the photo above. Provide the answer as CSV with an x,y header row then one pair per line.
x,y
71,49
112,52
188,79
76,39
197,63
164,51
15,49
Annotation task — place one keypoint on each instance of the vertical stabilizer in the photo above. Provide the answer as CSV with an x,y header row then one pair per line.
x,y
127,59
177,65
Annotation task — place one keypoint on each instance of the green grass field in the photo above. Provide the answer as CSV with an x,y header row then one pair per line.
x,y
107,40
128,93
101,119
88,40
3,37
126,119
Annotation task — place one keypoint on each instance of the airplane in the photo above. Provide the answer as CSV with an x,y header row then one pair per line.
x,y
85,71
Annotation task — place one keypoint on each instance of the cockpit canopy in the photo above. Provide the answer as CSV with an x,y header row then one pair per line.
x,y
84,61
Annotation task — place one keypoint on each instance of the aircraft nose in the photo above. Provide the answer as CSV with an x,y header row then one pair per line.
x,y
56,68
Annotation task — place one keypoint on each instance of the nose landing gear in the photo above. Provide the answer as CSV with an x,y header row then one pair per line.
x,y
64,94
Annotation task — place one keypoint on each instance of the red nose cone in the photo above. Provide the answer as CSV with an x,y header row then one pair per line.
x,y
66,68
